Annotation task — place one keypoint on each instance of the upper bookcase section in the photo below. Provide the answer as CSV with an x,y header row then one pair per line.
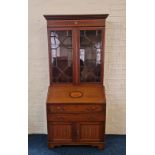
x,y
76,20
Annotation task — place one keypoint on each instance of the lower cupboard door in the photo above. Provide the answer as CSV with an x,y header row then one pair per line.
x,y
91,131
60,132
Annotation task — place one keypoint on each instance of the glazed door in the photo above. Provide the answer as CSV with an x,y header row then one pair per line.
x,y
76,55
91,131
61,55
60,132
90,53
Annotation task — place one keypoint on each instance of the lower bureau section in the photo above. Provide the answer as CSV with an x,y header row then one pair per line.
x,y
76,129
74,133
76,124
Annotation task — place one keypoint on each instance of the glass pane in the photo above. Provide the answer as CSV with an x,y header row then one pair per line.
x,y
61,51
90,55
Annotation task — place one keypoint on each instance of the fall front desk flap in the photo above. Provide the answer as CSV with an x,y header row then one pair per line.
x,y
76,94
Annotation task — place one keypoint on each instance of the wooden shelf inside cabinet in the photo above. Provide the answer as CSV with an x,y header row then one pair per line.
x,y
76,103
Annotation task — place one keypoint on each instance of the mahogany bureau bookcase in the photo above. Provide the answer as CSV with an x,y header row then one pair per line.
x,y
76,104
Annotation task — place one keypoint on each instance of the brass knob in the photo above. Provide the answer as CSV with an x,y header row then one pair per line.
x,y
60,108
75,22
88,109
93,108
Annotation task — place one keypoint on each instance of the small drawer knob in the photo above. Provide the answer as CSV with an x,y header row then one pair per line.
x,y
58,108
93,108
88,109
75,22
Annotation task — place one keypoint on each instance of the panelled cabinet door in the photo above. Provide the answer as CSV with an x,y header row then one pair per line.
x,y
91,131
60,132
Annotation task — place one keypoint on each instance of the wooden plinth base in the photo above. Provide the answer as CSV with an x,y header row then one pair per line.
x,y
99,145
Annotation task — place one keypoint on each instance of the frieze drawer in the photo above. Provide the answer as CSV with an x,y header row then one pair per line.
x,y
75,108
77,117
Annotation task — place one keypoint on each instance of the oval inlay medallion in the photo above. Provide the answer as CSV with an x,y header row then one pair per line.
x,y
76,94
